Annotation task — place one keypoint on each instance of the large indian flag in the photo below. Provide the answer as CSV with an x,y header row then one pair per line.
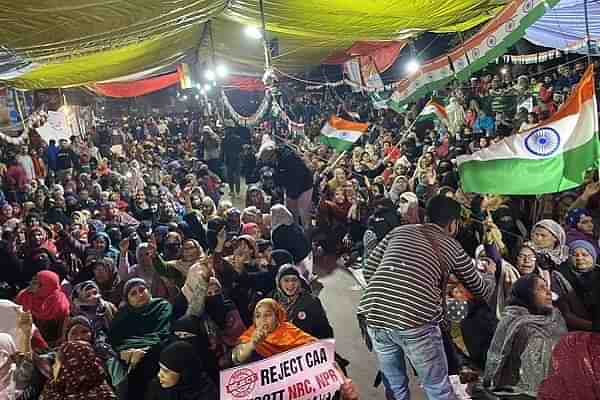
x,y
432,111
342,134
549,158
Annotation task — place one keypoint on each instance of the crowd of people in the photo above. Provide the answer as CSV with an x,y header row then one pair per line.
x,y
131,273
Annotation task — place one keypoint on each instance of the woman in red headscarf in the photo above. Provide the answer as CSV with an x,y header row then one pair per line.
x,y
48,304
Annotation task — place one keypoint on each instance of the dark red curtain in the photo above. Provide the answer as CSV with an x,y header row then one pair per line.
x,y
137,88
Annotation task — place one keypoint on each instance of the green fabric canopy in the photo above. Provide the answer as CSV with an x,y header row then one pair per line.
x,y
75,42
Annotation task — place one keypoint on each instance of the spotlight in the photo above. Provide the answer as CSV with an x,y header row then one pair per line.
x,y
209,75
222,71
207,87
412,66
253,32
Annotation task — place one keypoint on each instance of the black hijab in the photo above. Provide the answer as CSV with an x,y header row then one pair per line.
x,y
522,294
194,383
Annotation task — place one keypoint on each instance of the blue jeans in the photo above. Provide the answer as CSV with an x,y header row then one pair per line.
x,y
424,348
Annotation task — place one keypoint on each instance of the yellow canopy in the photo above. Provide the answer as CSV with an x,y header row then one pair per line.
x,y
77,42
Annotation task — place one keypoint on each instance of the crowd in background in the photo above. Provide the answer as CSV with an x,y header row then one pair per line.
x,y
157,251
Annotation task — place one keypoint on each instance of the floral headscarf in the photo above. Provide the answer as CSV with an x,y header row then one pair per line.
x,y
560,252
81,375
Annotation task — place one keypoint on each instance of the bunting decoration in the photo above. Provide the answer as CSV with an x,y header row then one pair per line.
x,y
530,58
296,128
474,54
253,119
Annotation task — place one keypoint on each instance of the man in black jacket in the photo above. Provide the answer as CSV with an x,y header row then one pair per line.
x,y
291,173
232,150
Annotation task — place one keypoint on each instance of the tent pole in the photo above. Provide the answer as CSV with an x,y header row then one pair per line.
x,y
587,32
264,32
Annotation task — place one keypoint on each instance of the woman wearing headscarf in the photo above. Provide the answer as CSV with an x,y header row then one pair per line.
x,y
7,374
87,301
181,376
256,197
272,334
332,220
520,352
408,208
269,334
580,226
47,303
302,308
582,288
549,240
19,377
288,235
136,332
80,328
456,116
242,280
151,269
399,186
77,374
107,278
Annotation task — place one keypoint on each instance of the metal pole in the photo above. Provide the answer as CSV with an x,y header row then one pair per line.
x,y
587,32
221,104
264,32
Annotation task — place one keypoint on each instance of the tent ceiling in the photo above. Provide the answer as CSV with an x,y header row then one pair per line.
x,y
82,41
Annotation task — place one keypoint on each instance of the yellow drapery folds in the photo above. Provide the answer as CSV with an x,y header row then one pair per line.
x,y
76,42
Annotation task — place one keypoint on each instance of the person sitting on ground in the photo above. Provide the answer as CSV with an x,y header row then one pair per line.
x,y
520,352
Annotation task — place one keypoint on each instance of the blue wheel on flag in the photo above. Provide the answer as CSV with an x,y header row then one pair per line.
x,y
542,142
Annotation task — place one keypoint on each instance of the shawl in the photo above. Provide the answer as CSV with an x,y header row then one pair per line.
x,y
81,375
575,371
395,190
560,253
135,328
7,383
280,216
48,303
285,337
520,353
99,313
456,115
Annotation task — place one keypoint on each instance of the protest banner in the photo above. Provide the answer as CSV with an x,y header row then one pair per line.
x,y
55,128
304,373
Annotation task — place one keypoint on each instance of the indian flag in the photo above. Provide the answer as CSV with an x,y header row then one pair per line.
x,y
549,158
342,134
432,111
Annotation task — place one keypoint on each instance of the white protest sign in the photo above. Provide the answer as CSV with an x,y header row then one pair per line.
x,y
55,127
304,373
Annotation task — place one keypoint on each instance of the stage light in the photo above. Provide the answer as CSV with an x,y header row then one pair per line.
x,y
209,75
253,32
222,71
207,87
412,66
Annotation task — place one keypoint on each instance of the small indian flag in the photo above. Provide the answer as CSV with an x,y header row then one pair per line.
x,y
432,111
549,158
342,134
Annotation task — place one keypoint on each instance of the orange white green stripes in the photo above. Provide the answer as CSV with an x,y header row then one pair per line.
x,y
342,134
432,111
549,158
